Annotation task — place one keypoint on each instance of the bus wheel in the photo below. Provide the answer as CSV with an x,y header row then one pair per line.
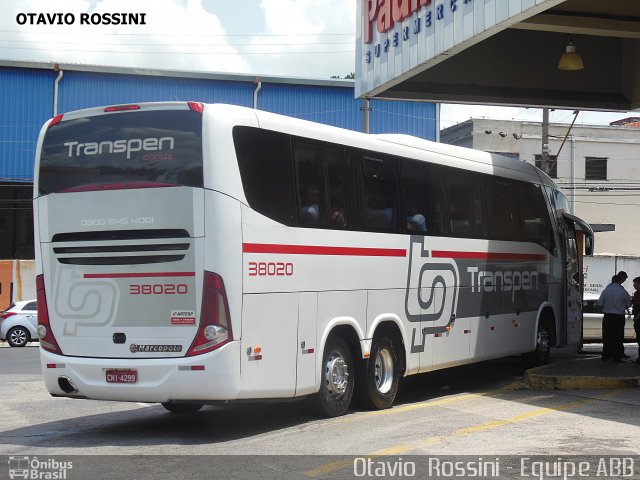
x,y
336,379
182,407
540,356
381,374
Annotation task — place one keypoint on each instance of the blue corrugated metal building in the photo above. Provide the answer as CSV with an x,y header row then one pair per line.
x,y
27,100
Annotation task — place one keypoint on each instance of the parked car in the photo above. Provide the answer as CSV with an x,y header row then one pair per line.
x,y
18,323
592,320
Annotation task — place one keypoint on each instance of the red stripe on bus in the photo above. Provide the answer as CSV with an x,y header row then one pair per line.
x,y
489,255
140,275
320,250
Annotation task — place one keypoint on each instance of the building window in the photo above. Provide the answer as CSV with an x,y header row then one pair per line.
x,y
595,168
553,165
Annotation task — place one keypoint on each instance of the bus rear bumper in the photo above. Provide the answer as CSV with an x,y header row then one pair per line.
x,y
214,376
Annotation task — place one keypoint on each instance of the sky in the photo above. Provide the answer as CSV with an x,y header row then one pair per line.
x,y
291,38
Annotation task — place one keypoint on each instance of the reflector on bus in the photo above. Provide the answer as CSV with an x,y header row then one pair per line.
x,y
55,120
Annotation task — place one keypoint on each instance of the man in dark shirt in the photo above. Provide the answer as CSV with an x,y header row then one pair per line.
x,y
635,303
614,301
623,277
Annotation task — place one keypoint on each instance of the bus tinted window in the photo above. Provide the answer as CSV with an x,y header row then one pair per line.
x,y
311,185
467,203
376,202
137,148
321,185
536,224
559,202
264,158
424,197
336,175
503,207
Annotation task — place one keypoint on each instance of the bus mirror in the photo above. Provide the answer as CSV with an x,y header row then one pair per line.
x,y
588,245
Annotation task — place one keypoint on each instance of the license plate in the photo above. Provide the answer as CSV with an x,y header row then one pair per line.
x,y
117,375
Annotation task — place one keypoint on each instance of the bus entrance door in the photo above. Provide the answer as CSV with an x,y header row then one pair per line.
x,y
573,229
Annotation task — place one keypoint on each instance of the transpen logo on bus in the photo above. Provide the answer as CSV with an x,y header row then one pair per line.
x,y
76,149
486,282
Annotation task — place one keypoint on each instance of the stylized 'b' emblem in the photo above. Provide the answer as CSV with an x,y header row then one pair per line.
x,y
81,303
431,294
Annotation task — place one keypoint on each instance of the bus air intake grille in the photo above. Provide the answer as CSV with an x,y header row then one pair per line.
x,y
121,247
134,260
120,235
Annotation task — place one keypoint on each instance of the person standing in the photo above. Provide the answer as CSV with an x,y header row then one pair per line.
x,y
614,301
623,278
635,303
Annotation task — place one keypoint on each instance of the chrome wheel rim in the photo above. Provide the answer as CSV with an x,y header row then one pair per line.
x,y
336,374
384,371
543,344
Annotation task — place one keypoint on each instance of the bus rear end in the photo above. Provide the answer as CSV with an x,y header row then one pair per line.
x,y
126,310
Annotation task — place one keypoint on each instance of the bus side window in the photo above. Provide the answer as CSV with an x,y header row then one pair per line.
x,y
337,217
424,197
467,198
266,169
503,208
310,185
320,185
377,195
536,224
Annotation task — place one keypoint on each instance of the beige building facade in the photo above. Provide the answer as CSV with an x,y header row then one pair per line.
x,y
597,167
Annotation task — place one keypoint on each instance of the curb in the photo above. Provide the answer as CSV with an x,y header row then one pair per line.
x,y
537,380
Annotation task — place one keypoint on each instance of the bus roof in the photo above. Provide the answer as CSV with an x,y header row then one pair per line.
x,y
394,144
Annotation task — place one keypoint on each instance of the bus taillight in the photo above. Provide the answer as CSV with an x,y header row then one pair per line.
x,y
122,108
196,106
214,329
47,339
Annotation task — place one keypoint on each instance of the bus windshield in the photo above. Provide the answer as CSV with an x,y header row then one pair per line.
x,y
122,150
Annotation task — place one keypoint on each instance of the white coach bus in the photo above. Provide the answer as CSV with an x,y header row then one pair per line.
x,y
193,254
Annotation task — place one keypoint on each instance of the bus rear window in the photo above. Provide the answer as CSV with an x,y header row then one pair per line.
x,y
123,150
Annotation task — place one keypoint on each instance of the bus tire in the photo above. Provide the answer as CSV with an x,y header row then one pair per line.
x,y
379,383
540,356
337,379
182,407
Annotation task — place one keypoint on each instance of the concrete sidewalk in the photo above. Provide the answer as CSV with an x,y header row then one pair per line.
x,y
586,371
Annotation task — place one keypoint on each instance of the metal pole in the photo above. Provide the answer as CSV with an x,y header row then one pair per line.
x,y
365,115
573,175
438,105
55,91
255,93
544,164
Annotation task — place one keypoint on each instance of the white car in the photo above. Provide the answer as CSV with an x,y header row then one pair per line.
x,y
18,323
592,320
